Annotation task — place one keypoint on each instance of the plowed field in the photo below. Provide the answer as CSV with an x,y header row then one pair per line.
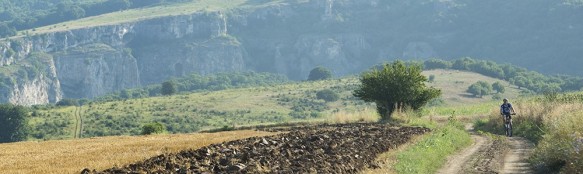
x,y
347,148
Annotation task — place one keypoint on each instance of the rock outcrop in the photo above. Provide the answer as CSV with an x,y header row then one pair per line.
x,y
346,36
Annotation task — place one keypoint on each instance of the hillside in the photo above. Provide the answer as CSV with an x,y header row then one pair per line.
x,y
455,83
150,44
237,107
133,15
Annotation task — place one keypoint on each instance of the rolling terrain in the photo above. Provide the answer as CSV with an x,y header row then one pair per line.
x,y
292,102
166,147
151,44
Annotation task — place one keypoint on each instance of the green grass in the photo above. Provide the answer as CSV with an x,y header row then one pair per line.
x,y
553,123
429,154
454,83
133,15
205,110
232,108
474,109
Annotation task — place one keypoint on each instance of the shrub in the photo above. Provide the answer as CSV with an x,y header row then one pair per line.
x,y
431,78
319,73
153,128
480,88
13,123
67,102
327,95
498,87
436,64
394,86
168,88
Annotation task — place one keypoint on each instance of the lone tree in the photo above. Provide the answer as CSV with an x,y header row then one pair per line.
x,y
319,73
168,88
153,128
394,86
480,89
13,123
327,95
498,87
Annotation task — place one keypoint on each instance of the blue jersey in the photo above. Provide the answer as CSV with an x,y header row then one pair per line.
x,y
505,108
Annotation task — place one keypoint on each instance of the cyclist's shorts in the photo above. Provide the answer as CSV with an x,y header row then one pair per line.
x,y
508,116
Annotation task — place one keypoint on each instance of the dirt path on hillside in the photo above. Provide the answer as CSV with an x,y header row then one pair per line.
x,y
456,162
487,155
515,160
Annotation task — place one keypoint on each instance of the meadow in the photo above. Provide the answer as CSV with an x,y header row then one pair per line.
x,y
292,102
236,108
133,15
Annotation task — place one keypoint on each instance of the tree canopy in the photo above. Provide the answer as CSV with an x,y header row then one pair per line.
x,y
480,88
498,87
518,76
327,95
168,87
320,73
394,86
13,123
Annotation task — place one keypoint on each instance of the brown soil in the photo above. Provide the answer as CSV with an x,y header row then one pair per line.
x,y
456,163
515,160
487,155
347,148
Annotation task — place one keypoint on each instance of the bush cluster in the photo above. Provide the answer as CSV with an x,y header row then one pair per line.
x,y
518,76
198,83
153,128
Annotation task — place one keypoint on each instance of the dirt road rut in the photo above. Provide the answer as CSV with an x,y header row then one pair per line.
x,y
515,160
487,155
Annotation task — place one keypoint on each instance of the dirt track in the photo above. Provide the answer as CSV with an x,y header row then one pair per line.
x,y
456,163
345,148
516,159
492,156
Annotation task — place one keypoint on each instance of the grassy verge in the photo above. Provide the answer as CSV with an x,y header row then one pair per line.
x,y
429,154
388,160
553,123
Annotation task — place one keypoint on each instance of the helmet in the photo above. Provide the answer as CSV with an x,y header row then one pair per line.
x,y
505,99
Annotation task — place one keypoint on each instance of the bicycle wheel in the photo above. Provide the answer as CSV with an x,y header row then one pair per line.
x,y
510,129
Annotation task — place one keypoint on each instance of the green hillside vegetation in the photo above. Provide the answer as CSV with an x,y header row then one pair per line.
x,y
28,14
553,122
198,111
454,83
523,78
199,83
136,14
190,112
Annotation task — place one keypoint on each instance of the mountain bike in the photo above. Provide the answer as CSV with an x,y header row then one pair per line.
x,y
508,124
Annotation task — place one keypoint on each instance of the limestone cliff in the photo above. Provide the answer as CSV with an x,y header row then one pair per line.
x,y
90,62
289,37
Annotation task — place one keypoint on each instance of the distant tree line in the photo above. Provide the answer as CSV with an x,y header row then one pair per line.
x,y
521,77
27,14
482,88
197,82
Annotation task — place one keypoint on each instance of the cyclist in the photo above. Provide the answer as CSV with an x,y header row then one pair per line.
x,y
506,110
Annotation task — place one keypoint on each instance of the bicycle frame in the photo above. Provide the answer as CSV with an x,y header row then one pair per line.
x,y
508,125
